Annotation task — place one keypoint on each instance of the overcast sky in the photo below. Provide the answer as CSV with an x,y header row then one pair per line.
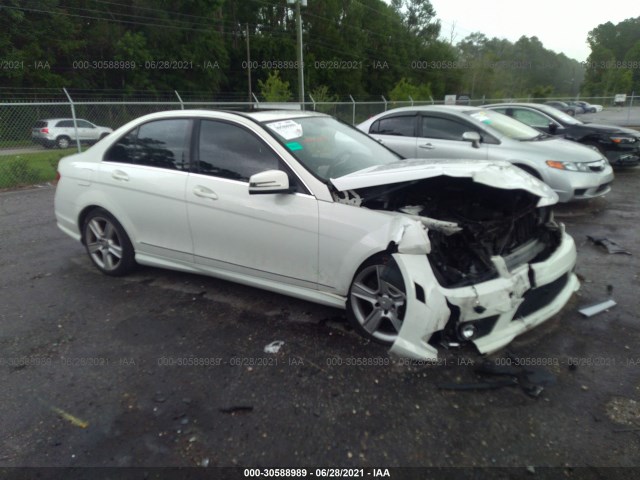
x,y
561,25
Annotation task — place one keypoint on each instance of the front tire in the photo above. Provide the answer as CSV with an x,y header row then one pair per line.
x,y
63,142
377,300
107,244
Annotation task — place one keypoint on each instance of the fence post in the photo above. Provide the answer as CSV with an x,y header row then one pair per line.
x,y
313,101
411,99
354,110
385,102
73,114
256,99
432,101
630,105
179,99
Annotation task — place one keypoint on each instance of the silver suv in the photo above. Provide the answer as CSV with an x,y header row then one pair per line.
x,y
61,132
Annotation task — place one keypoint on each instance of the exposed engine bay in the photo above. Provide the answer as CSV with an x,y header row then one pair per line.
x,y
468,223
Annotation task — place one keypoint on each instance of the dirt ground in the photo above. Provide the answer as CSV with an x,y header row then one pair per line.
x,y
163,369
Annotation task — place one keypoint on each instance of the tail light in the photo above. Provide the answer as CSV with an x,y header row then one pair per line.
x,y
55,182
44,130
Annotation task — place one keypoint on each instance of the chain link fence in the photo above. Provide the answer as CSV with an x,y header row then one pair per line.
x,y
26,158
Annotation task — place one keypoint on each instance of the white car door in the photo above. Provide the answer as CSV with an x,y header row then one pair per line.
x,y
272,236
441,137
397,132
144,175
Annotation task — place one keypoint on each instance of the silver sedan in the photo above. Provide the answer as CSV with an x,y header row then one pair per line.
x,y
455,132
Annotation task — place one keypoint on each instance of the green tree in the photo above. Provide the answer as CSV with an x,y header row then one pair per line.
x,y
404,89
274,89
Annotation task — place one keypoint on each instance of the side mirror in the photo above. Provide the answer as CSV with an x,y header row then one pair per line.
x,y
473,137
270,181
553,128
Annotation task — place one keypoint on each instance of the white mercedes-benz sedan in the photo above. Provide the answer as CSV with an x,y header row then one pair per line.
x,y
420,253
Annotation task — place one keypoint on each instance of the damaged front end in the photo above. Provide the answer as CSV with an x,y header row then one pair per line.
x,y
480,263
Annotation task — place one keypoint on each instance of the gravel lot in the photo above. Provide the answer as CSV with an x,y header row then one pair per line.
x,y
91,374
623,116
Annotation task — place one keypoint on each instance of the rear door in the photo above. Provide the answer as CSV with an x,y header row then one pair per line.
x,y
533,118
143,177
398,132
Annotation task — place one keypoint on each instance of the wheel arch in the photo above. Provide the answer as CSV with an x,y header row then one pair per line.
x,y
84,213
529,169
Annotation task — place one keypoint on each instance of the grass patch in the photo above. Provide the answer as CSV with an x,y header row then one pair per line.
x,y
15,143
30,168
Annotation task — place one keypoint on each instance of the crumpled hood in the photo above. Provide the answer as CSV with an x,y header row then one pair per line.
x,y
494,174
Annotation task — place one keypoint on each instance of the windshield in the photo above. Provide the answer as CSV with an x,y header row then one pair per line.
x,y
559,114
505,125
328,148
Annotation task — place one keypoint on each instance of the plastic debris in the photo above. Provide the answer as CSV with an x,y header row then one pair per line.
x,y
610,245
237,408
67,416
592,310
274,347
531,380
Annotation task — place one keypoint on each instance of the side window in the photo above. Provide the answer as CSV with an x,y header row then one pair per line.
x,y
162,143
84,124
533,119
229,151
402,126
444,128
65,124
124,150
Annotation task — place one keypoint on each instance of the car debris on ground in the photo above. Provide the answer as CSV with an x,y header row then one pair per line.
x,y
610,245
599,307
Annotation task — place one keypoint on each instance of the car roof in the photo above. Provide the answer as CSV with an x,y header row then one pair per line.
x,y
435,108
270,115
59,119
258,116
515,104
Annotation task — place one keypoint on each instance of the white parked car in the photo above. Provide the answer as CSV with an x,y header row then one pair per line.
x,y
61,132
419,253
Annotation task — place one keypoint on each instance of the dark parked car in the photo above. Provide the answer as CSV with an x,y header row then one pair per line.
x,y
565,107
620,145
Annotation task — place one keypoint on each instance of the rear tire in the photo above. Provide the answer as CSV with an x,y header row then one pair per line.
x,y
377,300
107,243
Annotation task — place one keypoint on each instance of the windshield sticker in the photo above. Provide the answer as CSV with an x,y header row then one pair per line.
x,y
481,117
287,129
294,146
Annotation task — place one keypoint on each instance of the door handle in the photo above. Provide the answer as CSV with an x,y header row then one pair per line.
x,y
427,146
204,192
120,175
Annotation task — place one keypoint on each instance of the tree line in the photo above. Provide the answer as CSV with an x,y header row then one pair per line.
x,y
366,48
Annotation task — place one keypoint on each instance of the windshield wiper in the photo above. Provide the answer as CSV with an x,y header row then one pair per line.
x,y
540,136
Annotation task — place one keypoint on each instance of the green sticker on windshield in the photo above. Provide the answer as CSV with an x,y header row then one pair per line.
x,y
293,146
